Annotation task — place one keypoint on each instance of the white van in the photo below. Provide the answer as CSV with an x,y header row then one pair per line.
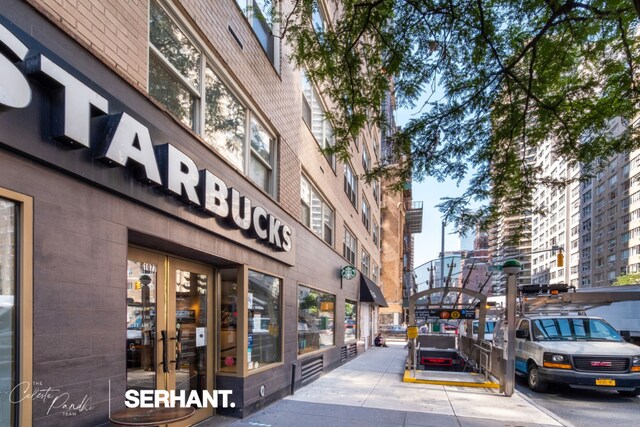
x,y
489,327
578,350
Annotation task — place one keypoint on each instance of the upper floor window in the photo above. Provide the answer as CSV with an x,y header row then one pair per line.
x,y
375,231
349,247
175,65
261,15
376,146
375,273
366,213
366,158
316,212
350,184
366,259
318,17
314,116
375,185
185,82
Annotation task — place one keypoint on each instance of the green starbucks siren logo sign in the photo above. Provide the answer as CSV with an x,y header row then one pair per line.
x,y
348,272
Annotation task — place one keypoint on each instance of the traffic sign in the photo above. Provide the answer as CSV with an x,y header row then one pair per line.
x,y
445,313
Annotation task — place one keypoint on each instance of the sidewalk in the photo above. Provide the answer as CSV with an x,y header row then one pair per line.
x,y
368,391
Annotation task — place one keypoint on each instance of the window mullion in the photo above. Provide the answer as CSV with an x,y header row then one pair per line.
x,y
260,159
248,135
169,67
200,103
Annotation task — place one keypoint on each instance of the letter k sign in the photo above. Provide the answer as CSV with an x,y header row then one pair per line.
x,y
14,87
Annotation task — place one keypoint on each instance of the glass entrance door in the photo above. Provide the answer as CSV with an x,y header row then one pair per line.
x,y
169,320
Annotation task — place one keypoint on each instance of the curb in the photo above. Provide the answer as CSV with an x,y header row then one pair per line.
x,y
407,378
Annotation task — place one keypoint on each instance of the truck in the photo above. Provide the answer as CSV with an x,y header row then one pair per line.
x,y
624,316
556,341
577,350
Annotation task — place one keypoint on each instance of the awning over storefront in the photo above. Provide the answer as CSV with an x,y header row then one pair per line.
x,y
370,292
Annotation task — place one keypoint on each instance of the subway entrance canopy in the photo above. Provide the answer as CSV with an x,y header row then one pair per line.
x,y
448,303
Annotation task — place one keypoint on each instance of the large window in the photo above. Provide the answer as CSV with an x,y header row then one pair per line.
x,y
366,158
316,310
228,320
349,247
262,17
185,82
350,320
375,273
376,191
316,212
366,213
350,184
318,17
375,232
314,116
264,319
366,260
8,315
16,307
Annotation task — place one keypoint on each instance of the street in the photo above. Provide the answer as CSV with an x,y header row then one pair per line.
x,y
585,408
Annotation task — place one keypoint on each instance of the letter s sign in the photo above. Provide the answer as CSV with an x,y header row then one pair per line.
x,y
14,87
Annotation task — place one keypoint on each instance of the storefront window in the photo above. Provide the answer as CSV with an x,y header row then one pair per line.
x,y
263,303
229,321
141,325
7,309
350,320
316,312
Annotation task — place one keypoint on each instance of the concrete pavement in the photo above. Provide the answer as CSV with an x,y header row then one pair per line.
x,y
368,391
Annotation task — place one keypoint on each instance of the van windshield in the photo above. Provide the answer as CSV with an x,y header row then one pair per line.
x,y
574,329
489,326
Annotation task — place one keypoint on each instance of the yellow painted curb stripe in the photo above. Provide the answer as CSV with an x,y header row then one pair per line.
x,y
409,379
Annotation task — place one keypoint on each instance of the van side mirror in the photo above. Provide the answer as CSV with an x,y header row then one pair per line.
x,y
626,335
521,333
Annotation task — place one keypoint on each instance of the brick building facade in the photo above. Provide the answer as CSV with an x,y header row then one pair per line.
x,y
182,228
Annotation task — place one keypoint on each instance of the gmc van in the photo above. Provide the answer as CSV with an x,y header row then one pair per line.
x,y
578,350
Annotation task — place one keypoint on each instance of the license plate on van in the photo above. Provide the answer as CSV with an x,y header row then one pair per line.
x,y
605,381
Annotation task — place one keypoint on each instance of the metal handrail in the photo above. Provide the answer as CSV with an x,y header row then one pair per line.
x,y
486,354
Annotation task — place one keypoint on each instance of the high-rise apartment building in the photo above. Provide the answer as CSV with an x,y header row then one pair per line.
x,y
167,217
510,238
551,229
594,221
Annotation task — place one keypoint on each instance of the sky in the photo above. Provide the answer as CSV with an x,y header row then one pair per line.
x,y
428,244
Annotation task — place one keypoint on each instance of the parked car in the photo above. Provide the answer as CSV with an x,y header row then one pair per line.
x,y
396,331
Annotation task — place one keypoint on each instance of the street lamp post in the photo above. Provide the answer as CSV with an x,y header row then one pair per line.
x,y
511,268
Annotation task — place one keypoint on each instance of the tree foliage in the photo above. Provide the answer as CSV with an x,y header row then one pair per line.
x,y
497,79
627,279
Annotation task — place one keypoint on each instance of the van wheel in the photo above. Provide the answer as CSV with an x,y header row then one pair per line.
x,y
534,381
627,393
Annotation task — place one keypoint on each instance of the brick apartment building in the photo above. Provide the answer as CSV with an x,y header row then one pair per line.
x,y
167,220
